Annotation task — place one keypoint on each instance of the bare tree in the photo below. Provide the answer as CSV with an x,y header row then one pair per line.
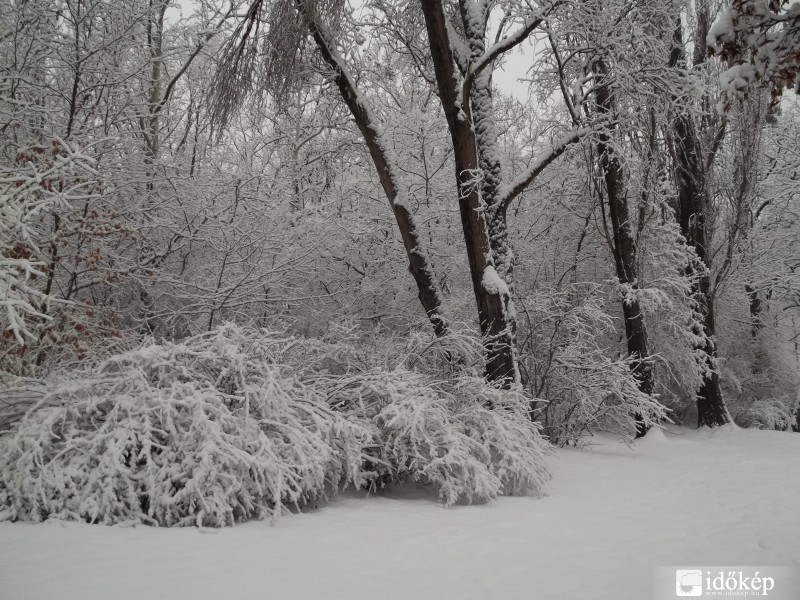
x,y
305,17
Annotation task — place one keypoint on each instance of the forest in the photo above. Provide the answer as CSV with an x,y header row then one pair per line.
x,y
253,251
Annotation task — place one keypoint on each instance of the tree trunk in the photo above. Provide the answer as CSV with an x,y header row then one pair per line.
x,y
492,295
419,264
482,106
623,247
692,206
155,42
754,301
711,410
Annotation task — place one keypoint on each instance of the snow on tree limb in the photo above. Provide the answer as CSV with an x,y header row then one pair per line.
x,y
509,42
546,156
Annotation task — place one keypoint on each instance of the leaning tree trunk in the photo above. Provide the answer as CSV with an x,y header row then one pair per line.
x,y
692,206
419,264
492,295
623,247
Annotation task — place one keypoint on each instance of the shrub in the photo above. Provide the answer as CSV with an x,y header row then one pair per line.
x,y
207,432
219,429
469,439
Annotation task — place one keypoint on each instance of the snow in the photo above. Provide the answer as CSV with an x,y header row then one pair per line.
x,y
613,515
492,282
722,31
736,79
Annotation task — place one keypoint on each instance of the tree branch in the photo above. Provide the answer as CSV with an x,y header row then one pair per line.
x,y
540,163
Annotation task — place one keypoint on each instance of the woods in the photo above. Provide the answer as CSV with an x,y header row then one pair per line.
x,y
352,195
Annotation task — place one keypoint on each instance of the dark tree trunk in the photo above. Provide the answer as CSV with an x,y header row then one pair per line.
x,y
755,303
493,301
419,264
711,409
482,106
692,206
623,246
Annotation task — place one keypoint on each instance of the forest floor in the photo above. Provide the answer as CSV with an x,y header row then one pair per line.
x,y
612,516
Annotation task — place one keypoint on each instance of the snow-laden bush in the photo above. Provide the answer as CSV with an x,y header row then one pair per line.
x,y
17,395
238,424
207,432
565,361
759,377
466,437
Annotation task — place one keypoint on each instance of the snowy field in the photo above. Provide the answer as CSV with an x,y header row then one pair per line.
x,y
612,516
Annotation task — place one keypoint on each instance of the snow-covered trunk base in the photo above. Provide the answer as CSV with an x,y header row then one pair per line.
x,y
497,324
711,409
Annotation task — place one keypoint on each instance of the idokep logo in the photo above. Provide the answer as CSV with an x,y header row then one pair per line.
x,y
688,582
703,583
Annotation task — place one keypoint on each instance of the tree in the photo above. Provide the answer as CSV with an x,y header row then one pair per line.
x,y
593,55
693,161
302,16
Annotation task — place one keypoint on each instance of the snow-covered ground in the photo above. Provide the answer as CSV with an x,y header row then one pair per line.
x,y
612,516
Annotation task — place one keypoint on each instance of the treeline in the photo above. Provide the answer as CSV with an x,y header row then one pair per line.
x,y
621,244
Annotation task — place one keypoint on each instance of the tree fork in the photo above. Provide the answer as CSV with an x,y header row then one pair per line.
x,y
495,314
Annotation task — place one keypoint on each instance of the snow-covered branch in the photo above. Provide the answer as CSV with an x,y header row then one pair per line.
x,y
547,155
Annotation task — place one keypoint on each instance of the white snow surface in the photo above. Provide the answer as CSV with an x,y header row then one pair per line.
x,y
492,282
612,515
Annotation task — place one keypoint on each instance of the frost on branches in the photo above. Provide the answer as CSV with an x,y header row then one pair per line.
x,y
564,360
217,430
44,179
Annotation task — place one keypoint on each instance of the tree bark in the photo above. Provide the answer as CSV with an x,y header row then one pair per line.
x,y
482,105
